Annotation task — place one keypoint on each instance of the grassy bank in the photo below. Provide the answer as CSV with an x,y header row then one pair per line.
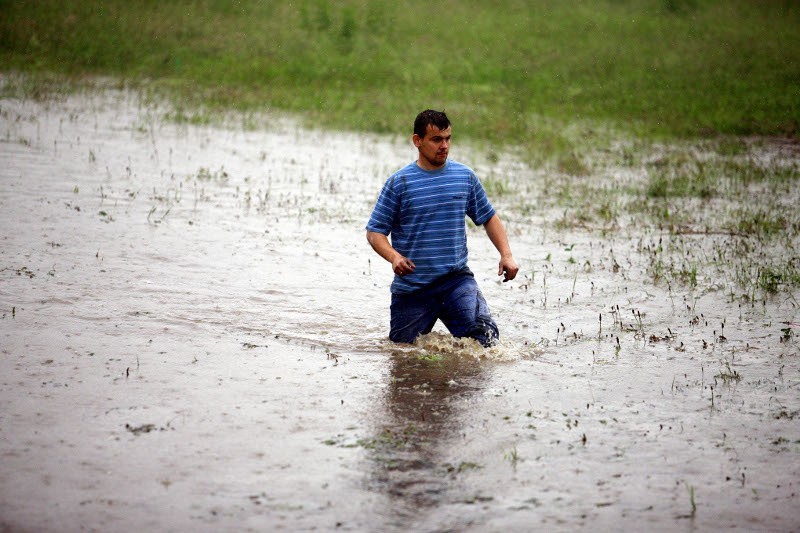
x,y
515,72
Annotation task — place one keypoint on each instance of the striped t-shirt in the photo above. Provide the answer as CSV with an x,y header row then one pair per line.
x,y
424,213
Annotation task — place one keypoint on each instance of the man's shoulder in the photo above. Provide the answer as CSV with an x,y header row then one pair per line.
x,y
401,174
408,169
455,167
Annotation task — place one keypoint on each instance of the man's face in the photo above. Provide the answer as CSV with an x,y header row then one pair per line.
x,y
433,148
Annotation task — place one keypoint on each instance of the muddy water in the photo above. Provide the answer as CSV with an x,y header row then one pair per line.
x,y
193,338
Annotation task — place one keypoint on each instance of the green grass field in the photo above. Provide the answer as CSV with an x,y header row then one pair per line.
x,y
514,72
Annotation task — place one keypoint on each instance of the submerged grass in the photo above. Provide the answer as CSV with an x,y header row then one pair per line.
x,y
511,72
695,175
714,214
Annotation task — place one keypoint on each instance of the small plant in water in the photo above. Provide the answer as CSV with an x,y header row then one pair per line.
x,y
728,375
692,502
512,456
462,467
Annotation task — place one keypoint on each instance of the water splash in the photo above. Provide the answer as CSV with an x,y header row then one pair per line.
x,y
437,344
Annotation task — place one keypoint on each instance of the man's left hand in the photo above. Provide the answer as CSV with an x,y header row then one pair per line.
x,y
508,268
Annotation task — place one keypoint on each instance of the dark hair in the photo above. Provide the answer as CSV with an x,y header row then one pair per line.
x,y
430,117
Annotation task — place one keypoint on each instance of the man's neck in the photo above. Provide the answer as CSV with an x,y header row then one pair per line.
x,y
424,164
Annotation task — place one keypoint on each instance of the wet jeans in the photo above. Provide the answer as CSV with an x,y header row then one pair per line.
x,y
455,300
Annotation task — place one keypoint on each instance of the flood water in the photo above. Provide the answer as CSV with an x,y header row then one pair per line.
x,y
193,337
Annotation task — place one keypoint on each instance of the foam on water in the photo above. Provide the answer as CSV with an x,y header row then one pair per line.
x,y
439,343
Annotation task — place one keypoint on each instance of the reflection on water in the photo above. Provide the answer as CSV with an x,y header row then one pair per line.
x,y
429,387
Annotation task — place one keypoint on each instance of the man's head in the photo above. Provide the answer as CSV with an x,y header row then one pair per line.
x,y
429,117
432,138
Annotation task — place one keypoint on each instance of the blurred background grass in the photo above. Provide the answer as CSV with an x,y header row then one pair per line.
x,y
511,72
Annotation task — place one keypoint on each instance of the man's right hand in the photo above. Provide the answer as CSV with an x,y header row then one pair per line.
x,y
402,265
380,243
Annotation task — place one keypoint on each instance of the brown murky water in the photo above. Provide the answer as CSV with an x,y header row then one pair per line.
x,y
193,338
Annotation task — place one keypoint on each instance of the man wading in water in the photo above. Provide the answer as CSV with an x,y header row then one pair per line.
x,y
423,207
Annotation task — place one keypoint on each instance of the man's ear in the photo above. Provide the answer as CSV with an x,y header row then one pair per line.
x,y
416,140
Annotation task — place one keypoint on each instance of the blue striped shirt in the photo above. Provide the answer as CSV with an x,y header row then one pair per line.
x,y
424,213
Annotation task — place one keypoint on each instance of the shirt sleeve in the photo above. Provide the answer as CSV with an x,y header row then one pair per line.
x,y
385,210
479,209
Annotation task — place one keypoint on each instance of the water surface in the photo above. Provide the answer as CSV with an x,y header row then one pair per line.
x,y
194,334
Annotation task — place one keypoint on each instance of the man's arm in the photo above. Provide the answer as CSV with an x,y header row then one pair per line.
x,y
497,234
380,243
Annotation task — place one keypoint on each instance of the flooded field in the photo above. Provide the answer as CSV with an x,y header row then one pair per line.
x,y
193,336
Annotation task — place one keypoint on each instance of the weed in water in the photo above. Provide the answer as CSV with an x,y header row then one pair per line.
x,y
496,187
463,466
728,375
512,456
692,503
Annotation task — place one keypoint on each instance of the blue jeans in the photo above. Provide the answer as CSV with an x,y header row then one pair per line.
x,y
455,300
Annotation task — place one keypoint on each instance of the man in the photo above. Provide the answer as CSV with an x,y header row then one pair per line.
x,y
423,207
